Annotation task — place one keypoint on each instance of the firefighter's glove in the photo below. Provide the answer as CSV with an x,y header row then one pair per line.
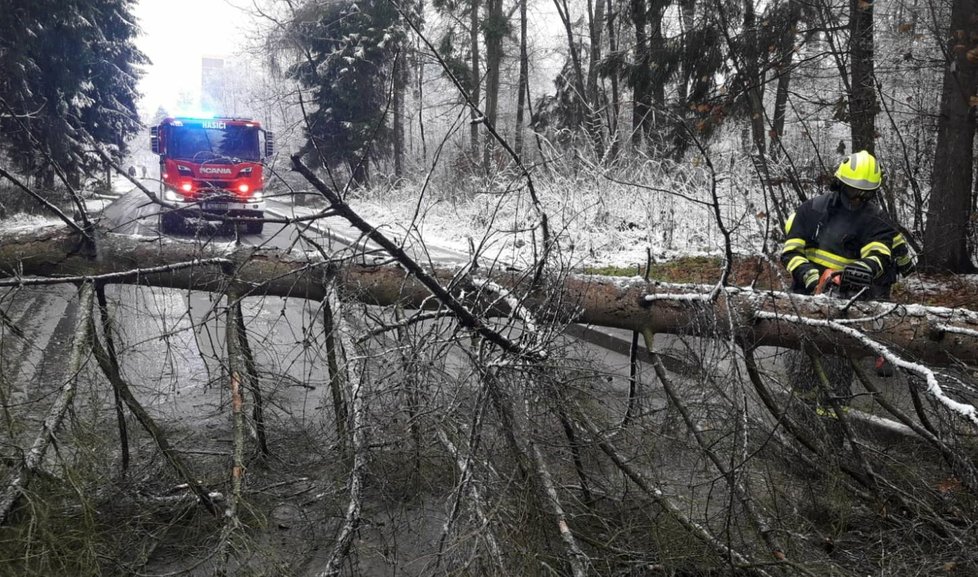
x,y
857,275
810,280
905,266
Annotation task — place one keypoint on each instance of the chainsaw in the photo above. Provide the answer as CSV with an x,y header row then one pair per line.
x,y
830,284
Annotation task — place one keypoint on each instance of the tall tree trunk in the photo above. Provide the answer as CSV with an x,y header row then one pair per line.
x,y
786,53
400,85
687,17
753,79
585,106
615,96
476,78
523,81
593,101
862,100
494,30
657,42
642,101
950,207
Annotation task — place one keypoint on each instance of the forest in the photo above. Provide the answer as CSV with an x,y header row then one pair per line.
x,y
611,376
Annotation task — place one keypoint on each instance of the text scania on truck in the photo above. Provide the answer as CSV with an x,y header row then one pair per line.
x,y
211,168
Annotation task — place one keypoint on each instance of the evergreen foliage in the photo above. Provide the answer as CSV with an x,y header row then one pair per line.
x,y
351,47
68,74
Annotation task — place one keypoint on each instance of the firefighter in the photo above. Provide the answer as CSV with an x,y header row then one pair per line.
x,y
846,230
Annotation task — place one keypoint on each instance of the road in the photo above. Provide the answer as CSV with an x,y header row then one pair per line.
x,y
134,213
175,339
172,351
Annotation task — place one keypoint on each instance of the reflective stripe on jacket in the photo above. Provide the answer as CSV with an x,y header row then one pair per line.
x,y
824,234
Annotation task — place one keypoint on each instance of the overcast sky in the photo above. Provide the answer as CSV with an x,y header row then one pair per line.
x,y
175,35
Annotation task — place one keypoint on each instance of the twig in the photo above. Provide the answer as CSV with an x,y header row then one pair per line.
x,y
576,557
253,382
354,380
959,462
964,410
103,307
116,276
736,486
466,318
695,529
171,455
21,477
57,211
237,371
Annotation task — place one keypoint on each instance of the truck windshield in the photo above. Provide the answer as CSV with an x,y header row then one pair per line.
x,y
198,144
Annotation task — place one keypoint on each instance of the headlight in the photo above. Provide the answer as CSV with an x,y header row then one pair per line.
x,y
257,196
171,195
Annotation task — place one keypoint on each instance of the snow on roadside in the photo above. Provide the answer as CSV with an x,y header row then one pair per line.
x,y
22,222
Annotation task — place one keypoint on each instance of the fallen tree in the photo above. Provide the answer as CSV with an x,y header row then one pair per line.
x,y
58,254
521,374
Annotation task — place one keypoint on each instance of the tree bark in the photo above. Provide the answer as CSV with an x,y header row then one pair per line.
x,y
641,99
521,90
862,100
400,86
931,334
494,31
614,141
950,207
786,53
475,78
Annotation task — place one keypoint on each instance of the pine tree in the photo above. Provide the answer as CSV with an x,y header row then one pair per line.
x,y
68,74
350,46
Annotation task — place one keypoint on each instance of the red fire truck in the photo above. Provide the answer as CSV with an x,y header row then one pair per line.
x,y
211,168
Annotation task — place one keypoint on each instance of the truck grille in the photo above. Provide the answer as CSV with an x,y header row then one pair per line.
x,y
215,184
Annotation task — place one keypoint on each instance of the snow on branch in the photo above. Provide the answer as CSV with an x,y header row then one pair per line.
x,y
964,410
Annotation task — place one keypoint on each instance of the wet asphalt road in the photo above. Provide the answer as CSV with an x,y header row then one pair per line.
x,y
135,213
173,342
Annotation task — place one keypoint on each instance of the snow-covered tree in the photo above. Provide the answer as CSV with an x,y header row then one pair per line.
x,y
68,74
350,48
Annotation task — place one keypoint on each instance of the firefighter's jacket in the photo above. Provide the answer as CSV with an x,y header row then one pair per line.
x,y
824,234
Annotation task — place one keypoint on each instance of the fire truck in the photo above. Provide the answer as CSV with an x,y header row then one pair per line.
x,y
211,168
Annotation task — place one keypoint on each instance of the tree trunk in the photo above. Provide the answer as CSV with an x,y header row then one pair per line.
x,y
753,80
687,16
641,98
615,96
400,85
657,44
586,108
476,79
495,29
786,53
593,100
523,82
932,335
862,100
950,207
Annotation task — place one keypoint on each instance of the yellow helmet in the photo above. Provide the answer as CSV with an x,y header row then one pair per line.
x,y
860,170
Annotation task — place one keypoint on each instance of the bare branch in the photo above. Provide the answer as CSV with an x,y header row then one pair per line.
x,y
31,464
